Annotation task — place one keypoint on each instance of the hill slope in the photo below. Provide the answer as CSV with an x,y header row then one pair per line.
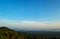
x,y
6,33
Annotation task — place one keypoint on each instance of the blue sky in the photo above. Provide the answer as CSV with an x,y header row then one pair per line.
x,y
30,10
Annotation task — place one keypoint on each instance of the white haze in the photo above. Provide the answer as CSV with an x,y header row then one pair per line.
x,y
30,25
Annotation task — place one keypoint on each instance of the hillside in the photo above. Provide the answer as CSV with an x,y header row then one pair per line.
x,y
7,33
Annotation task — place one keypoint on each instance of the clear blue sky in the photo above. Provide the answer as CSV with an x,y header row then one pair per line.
x,y
30,9
30,12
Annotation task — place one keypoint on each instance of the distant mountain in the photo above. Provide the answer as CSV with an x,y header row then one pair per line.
x,y
55,30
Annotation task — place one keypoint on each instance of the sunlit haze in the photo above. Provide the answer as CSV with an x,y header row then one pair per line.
x,y
30,14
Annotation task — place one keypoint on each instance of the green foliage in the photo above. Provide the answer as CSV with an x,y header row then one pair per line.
x,y
6,33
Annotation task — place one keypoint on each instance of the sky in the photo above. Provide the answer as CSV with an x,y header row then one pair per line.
x,y
30,14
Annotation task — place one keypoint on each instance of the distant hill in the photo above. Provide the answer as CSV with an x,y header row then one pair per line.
x,y
5,28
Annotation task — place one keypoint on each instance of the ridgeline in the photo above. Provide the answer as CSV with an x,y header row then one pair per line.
x,y
6,33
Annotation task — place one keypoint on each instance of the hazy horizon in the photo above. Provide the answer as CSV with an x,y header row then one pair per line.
x,y
30,14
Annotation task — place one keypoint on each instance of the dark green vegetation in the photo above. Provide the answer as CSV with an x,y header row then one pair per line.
x,y
6,33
